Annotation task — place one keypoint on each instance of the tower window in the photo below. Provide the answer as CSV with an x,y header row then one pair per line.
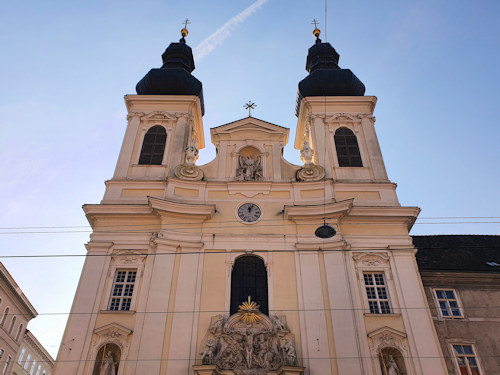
x,y
122,291
347,147
249,279
153,146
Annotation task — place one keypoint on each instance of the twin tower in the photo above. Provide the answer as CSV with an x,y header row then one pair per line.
x,y
215,269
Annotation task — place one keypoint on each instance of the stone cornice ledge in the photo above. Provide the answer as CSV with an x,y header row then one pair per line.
x,y
386,214
328,211
200,211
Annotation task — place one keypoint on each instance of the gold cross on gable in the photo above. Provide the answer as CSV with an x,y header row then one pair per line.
x,y
250,105
315,23
186,23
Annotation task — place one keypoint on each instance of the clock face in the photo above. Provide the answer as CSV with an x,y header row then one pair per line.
x,y
249,212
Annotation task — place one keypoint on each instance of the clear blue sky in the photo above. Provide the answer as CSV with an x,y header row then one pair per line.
x,y
65,67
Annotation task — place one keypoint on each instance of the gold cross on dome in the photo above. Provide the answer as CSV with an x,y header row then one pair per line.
x,y
250,105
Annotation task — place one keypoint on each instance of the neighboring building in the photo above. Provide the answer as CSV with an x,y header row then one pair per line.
x,y
15,313
461,276
32,358
180,254
15,340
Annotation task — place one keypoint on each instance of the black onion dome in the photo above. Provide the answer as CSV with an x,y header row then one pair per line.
x,y
174,77
325,77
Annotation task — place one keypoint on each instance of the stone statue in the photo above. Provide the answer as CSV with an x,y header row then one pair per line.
x,y
217,323
191,153
278,323
391,367
249,169
249,347
108,365
207,357
290,353
306,154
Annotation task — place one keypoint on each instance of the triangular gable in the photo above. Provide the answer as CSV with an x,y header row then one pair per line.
x,y
249,123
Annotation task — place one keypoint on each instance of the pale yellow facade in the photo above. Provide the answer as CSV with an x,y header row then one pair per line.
x,y
177,225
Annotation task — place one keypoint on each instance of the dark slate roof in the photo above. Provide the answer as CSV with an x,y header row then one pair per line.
x,y
469,253
325,77
174,77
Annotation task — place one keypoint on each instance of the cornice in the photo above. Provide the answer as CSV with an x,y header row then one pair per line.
x,y
35,344
20,297
459,277
329,210
163,206
395,214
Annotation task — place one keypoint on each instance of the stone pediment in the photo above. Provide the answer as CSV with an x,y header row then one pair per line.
x,y
250,125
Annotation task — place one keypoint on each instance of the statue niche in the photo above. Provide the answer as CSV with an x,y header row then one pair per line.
x,y
391,362
107,360
249,165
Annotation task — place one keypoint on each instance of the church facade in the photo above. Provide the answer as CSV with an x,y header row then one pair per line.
x,y
250,264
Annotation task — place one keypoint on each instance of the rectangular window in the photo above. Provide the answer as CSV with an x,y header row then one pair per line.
x,y
466,360
27,363
123,288
7,363
448,303
39,369
376,292
21,356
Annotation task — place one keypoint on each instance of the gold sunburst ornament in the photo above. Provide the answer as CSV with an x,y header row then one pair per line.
x,y
248,311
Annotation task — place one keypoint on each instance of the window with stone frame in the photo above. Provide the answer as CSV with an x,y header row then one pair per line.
x,y
448,303
377,293
466,359
153,146
122,290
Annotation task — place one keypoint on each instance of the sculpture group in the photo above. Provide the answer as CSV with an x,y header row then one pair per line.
x,y
249,347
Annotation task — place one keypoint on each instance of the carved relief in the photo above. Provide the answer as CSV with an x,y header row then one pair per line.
x,y
371,259
249,165
249,342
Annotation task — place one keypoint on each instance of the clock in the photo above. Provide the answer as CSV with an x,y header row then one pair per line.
x,y
249,212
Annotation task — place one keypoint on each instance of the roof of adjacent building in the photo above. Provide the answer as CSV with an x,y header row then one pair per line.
x,y
458,253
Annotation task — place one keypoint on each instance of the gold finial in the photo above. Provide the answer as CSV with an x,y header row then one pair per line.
x,y
248,311
316,31
184,31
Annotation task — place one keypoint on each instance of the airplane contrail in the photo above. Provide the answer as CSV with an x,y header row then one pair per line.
x,y
210,43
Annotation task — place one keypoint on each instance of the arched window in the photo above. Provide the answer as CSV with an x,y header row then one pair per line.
x,y
249,279
5,314
347,148
19,330
12,324
153,146
107,360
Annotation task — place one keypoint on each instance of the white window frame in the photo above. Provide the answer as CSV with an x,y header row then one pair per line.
x,y
123,260
380,298
474,355
125,283
33,366
21,356
371,263
449,308
27,363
